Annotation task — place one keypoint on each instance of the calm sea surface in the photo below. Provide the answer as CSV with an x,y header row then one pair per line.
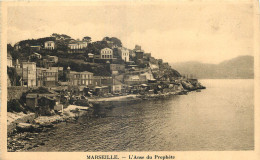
x,y
218,118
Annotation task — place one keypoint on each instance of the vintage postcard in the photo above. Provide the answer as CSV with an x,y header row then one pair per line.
x,y
128,80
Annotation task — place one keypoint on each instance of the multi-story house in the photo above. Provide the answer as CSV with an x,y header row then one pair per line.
x,y
47,76
124,53
77,46
50,45
106,53
28,74
102,81
80,78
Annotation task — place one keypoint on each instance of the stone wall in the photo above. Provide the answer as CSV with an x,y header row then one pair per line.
x,y
15,92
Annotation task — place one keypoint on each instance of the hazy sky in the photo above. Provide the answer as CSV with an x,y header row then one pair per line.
x,y
206,32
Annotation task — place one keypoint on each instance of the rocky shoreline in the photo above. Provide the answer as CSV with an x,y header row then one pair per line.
x,y
24,136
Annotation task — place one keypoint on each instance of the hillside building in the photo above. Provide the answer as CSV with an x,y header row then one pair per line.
x,y
50,45
28,74
106,53
124,54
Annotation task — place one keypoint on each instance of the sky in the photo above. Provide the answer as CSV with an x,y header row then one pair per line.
x,y
175,32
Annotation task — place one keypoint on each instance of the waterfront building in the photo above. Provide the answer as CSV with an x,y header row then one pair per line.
x,y
80,78
46,98
124,54
28,74
106,53
102,81
47,76
50,45
31,100
135,79
117,86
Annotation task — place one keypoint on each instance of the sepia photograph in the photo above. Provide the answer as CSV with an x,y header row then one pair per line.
x,y
134,76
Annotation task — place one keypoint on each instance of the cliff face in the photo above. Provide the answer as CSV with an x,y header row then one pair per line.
x,y
240,67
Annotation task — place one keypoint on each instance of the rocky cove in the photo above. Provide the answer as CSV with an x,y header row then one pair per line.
x,y
23,132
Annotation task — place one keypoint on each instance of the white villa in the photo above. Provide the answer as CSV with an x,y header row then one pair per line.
x,y
106,53
49,45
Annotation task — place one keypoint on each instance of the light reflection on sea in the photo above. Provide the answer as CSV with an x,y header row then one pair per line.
x,y
218,118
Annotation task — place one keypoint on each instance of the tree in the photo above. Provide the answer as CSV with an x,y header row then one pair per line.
x,y
60,36
10,48
13,76
114,40
62,45
87,39
14,106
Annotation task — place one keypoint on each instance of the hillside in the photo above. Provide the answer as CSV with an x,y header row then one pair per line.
x,y
239,67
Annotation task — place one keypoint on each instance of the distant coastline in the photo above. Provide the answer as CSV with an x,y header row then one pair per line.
x,y
241,67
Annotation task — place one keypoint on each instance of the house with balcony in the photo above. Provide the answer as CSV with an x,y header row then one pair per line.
x,y
106,53
77,46
49,45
